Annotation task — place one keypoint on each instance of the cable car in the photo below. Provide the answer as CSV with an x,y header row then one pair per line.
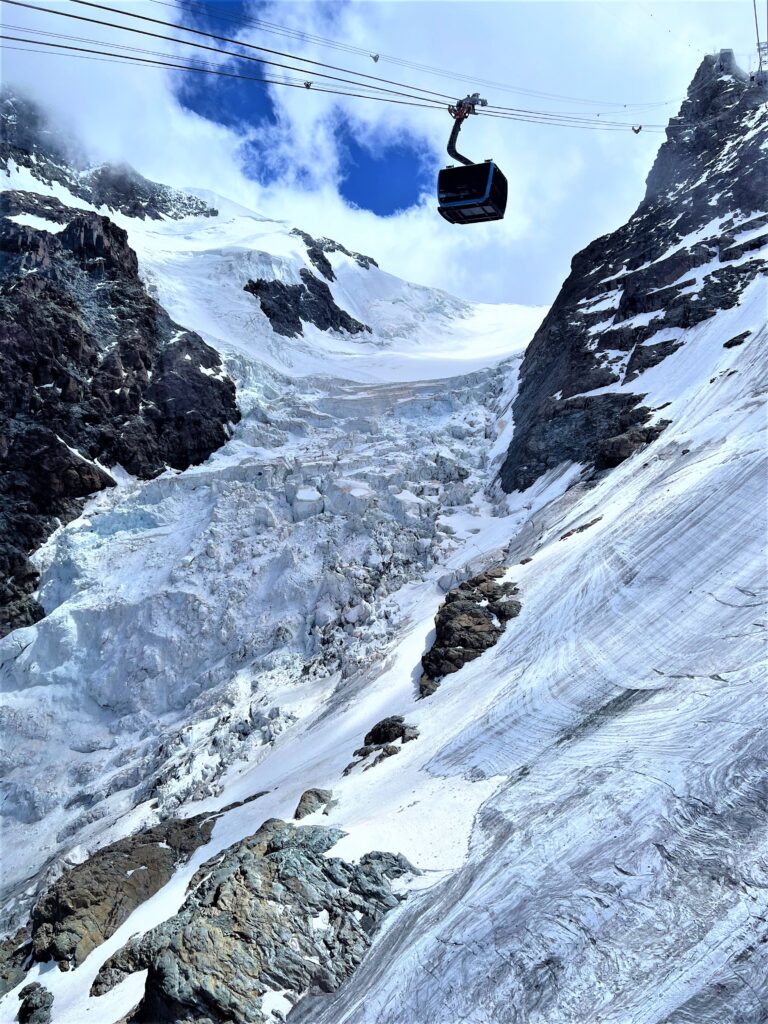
x,y
472,193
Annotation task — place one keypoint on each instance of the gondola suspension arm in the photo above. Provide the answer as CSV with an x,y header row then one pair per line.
x,y
460,113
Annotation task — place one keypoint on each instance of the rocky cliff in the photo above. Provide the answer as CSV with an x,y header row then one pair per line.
x,y
95,373
272,912
688,251
31,139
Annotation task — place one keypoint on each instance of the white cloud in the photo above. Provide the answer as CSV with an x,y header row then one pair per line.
x,y
566,186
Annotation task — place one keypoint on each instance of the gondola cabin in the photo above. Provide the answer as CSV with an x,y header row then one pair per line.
x,y
472,193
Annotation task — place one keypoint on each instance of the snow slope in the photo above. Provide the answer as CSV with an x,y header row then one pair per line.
x,y
197,268
256,581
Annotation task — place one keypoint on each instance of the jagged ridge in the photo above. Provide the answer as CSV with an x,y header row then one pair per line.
x,y
29,138
630,294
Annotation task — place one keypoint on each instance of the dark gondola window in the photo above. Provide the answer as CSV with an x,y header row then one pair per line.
x,y
472,193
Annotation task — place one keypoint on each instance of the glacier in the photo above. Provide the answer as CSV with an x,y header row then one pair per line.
x,y
586,804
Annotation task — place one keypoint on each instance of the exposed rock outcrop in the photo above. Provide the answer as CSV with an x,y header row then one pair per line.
x,y
312,800
14,954
739,339
380,741
389,730
30,138
271,913
49,208
580,529
688,251
318,247
91,900
36,1003
288,305
95,373
470,621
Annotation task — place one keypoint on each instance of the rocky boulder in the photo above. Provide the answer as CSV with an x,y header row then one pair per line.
x,y
271,913
469,622
36,1003
380,741
312,800
389,730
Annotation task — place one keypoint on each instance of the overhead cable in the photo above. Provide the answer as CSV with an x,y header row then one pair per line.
x,y
370,80
154,59
301,35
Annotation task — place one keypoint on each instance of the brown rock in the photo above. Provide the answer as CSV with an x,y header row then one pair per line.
x,y
90,901
312,800
469,622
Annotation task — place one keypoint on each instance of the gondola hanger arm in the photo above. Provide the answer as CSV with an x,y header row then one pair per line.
x,y
460,112
463,108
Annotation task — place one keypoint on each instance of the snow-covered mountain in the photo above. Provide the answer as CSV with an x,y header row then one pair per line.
x,y
304,715
692,249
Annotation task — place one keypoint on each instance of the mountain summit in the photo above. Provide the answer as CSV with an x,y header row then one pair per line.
x,y
691,249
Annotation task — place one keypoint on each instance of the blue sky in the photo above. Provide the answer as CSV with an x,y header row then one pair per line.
x,y
382,178
363,172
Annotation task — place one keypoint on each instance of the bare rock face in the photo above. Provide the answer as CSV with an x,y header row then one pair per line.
x,y
95,373
36,1003
14,954
287,306
470,621
312,800
685,254
270,913
379,742
31,139
318,247
90,901
389,730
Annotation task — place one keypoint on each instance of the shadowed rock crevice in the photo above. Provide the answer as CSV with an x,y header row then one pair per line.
x,y
271,913
287,306
469,622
